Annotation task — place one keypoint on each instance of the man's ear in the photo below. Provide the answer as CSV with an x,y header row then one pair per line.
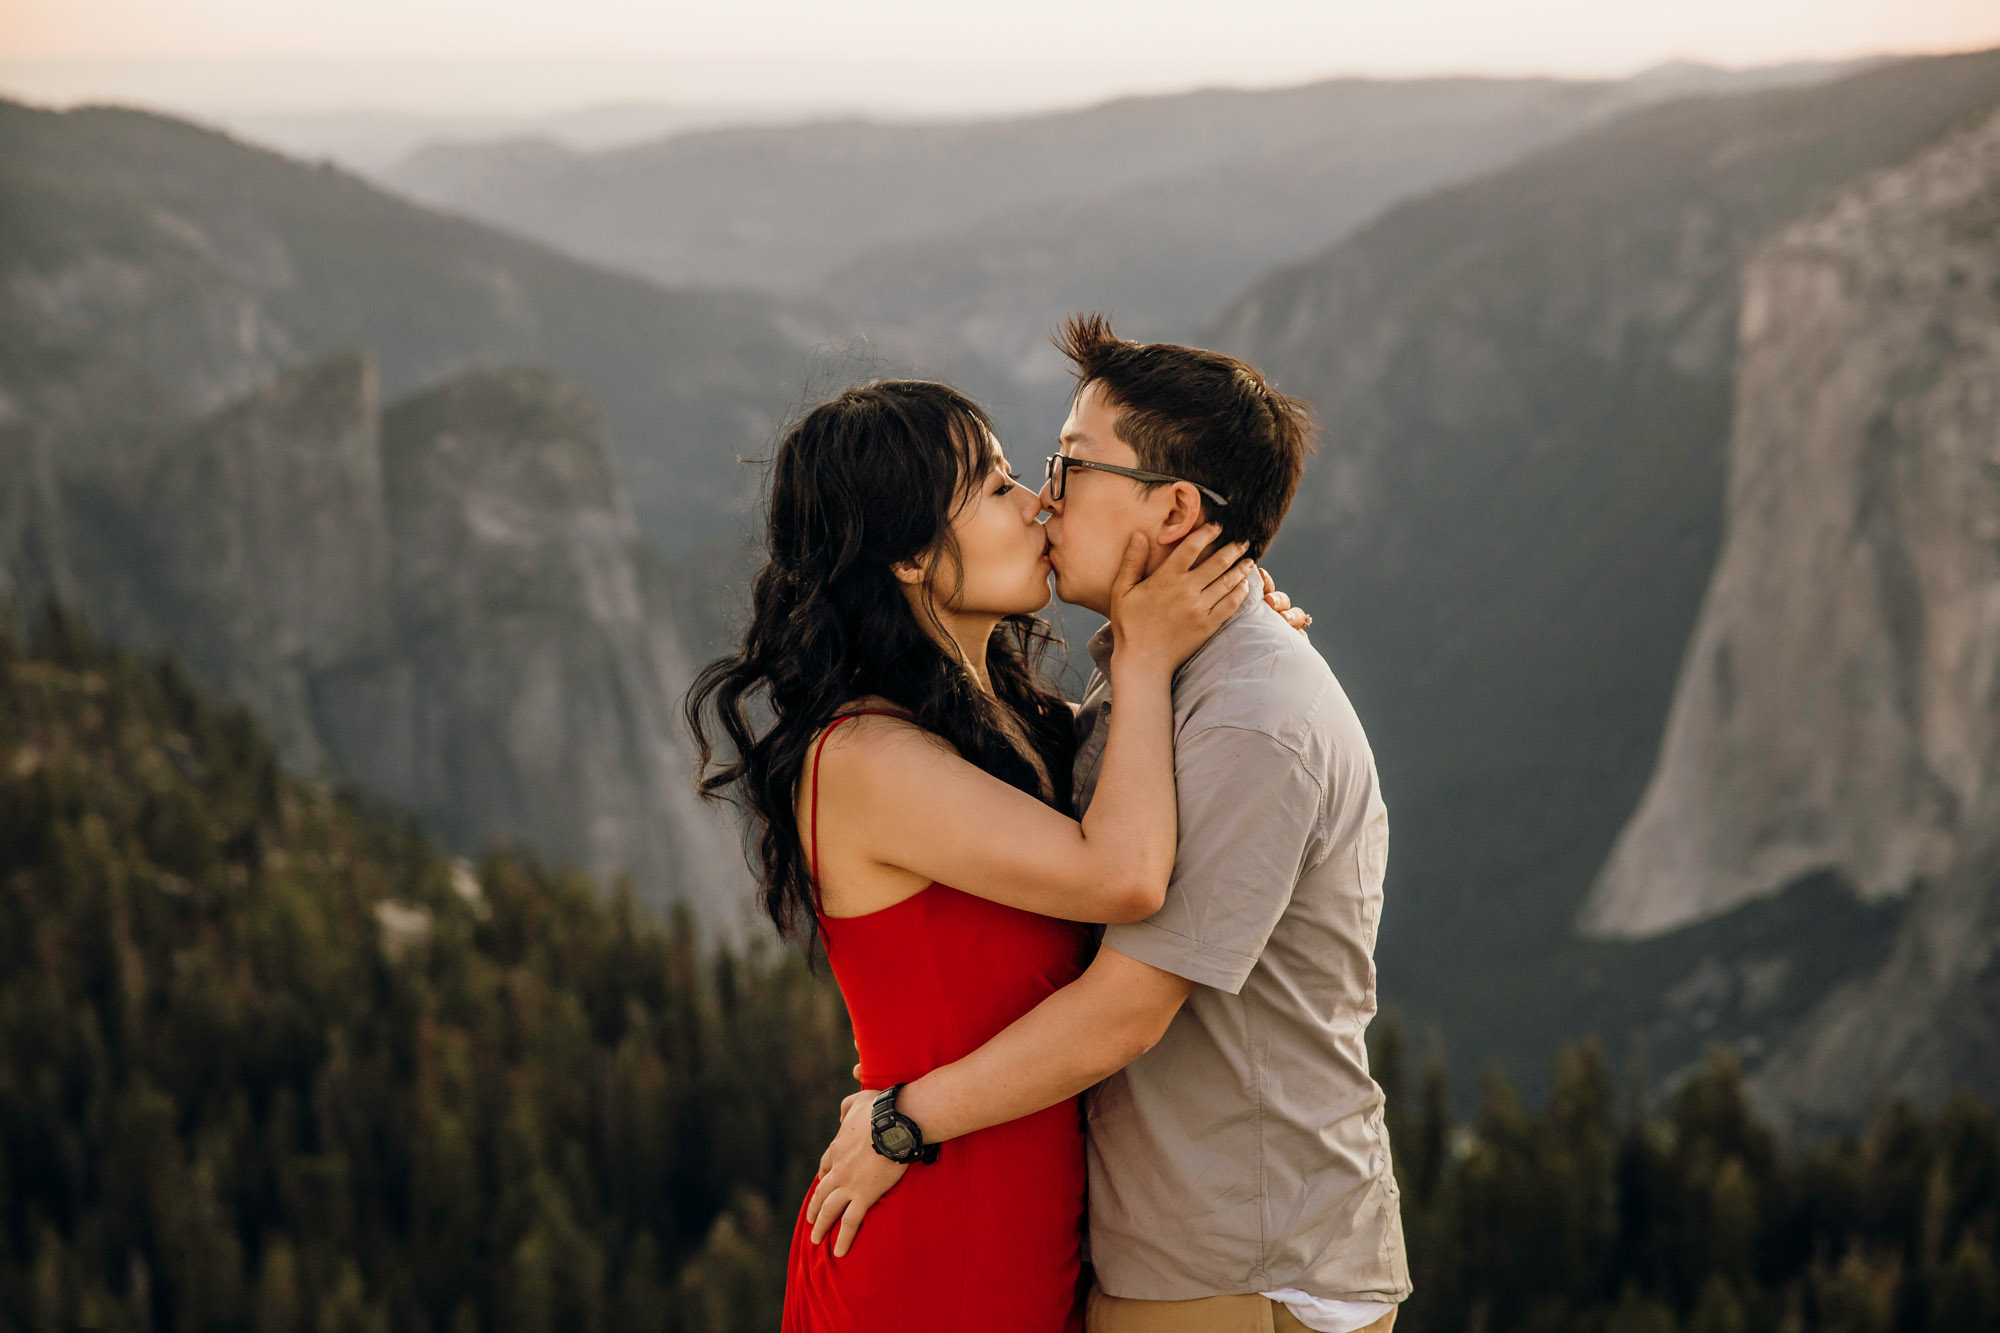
x,y
1184,516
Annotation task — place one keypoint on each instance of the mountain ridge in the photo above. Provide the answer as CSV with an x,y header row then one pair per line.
x,y
964,241
1526,384
155,269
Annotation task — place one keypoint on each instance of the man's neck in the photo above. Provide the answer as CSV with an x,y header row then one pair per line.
x,y
1101,645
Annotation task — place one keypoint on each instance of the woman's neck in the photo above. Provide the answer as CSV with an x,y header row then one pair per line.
x,y
962,635
968,637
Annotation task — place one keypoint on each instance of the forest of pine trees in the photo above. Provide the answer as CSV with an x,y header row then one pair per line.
x,y
274,1061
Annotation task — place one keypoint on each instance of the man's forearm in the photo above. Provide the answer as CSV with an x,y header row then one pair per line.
x,y
1089,1029
1050,1053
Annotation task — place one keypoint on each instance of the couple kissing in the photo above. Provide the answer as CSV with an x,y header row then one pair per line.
x,y
1109,964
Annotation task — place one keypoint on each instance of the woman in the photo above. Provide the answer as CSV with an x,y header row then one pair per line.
x,y
908,772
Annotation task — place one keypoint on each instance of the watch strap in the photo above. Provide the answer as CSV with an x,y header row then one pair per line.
x,y
884,1110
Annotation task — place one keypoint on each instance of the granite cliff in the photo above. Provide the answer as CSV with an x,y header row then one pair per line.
x,y
446,602
1528,384
1837,714
252,542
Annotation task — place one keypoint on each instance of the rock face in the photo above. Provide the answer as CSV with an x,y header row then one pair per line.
x,y
254,543
1837,705
1528,385
447,603
1838,710
531,681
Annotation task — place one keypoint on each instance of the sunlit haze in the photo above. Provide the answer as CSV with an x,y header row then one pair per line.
x,y
888,56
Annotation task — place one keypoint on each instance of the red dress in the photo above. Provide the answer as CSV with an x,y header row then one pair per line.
x,y
989,1236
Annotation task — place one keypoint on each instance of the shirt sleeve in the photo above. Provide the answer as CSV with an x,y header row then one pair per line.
x,y
1250,813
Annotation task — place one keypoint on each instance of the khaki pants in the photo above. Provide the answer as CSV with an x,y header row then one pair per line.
x,y
1210,1314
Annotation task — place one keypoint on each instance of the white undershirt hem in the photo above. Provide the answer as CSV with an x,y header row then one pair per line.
x,y
1328,1316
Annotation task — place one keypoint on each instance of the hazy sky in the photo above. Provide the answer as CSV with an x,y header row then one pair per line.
x,y
888,55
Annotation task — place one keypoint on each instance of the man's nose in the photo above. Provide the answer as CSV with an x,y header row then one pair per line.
x,y
1034,505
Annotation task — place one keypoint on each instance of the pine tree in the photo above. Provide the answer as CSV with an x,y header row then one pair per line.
x,y
1967,1298
225,1102
278,1305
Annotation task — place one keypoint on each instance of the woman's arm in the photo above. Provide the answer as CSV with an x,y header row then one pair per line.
x,y
1085,1032
908,801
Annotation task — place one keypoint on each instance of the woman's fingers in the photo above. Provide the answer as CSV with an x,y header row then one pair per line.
x,y
1231,587
1131,568
1223,563
1235,579
829,1213
843,1210
850,1223
1281,602
1188,552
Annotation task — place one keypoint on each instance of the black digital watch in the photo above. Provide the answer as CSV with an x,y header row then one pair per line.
x,y
896,1136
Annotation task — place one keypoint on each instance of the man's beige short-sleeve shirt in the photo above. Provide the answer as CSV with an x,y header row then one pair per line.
x,y
1246,1151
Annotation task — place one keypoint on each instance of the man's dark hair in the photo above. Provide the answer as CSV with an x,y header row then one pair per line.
x,y
1201,416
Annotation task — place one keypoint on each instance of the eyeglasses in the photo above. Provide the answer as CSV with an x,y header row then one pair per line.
x,y
1059,464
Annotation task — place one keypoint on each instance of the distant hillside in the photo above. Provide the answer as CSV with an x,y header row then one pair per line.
x,y
962,244
1527,385
782,207
785,207
153,270
371,141
1166,253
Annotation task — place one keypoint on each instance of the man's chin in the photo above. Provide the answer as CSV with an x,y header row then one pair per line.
x,y
1071,595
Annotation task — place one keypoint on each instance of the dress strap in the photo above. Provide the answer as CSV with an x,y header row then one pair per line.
x,y
812,864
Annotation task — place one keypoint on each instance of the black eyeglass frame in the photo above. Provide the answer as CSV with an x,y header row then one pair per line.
x,y
1053,475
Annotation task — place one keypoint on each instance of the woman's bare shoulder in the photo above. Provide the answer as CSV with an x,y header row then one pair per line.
x,y
879,730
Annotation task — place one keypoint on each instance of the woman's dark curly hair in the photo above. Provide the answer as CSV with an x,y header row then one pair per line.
x,y
860,483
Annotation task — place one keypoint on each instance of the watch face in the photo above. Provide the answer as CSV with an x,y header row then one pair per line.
x,y
897,1141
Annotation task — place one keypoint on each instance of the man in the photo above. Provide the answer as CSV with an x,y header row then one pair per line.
x,y
1240,1172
